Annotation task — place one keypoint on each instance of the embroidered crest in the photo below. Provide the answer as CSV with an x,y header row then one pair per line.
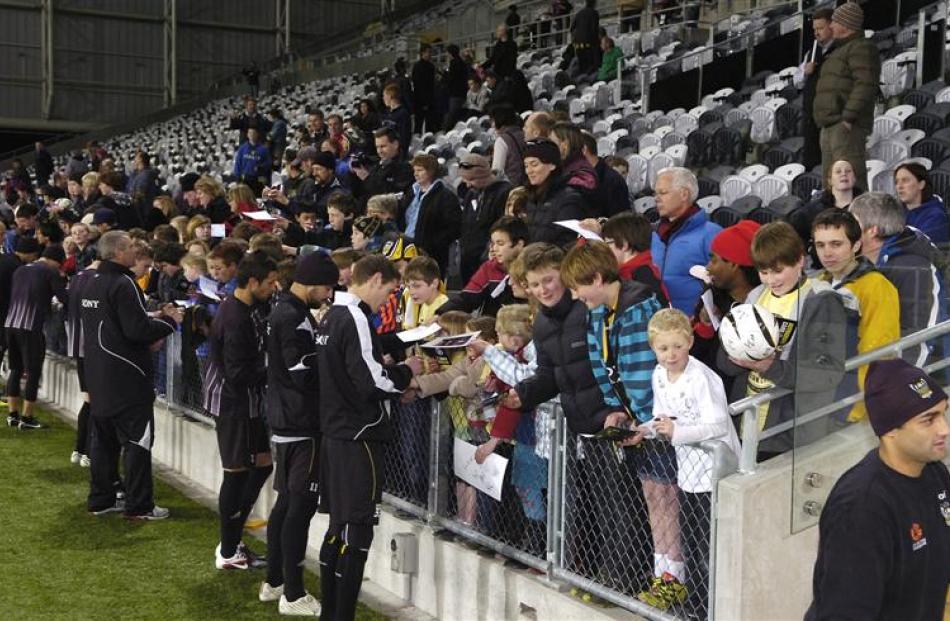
x,y
922,388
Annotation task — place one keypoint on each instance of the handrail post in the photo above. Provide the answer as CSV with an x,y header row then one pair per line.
x,y
750,440
725,463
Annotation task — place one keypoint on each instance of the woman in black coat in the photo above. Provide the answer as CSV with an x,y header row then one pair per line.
x,y
550,197
431,216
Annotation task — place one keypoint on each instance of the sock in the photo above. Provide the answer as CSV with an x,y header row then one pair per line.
x,y
659,564
275,526
329,555
256,479
82,429
349,576
294,543
675,568
229,508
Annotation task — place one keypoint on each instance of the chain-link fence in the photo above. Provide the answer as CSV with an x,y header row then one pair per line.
x,y
630,526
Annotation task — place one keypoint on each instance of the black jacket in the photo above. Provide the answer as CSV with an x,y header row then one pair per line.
x,y
423,83
9,263
504,57
117,335
480,210
236,373
44,167
558,202
438,223
808,88
402,123
355,386
292,378
127,215
244,122
218,210
457,82
586,27
560,338
612,195
394,176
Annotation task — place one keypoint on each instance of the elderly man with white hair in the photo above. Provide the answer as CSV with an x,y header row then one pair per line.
x,y
907,258
682,237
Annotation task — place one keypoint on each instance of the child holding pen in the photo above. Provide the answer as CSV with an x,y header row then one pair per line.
x,y
689,406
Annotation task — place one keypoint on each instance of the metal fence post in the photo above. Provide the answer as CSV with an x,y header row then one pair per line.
x,y
438,481
172,352
556,491
724,464
750,440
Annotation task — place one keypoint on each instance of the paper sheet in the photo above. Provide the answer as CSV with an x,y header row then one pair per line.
x,y
487,477
452,342
259,215
710,307
418,333
208,288
575,225
218,230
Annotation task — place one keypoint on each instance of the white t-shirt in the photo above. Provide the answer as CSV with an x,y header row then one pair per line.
x,y
698,401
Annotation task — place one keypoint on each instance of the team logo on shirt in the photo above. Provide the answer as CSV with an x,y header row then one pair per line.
x,y
944,506
917,536
922,388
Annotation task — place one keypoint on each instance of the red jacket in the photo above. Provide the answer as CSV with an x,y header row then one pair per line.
x,y
642,269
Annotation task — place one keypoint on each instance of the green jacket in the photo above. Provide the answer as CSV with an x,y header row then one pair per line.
x,y
608,66
848,84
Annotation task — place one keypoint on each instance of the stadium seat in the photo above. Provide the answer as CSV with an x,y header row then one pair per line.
x,y
940,181
886,126
890,151
874,167
637,173
728,146
644,204
901,112
754,172
770,187
931,148
740,209
709,204
733,188
784,206
789,172
806,184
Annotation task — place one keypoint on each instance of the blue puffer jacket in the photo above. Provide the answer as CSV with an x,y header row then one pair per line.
x,y
931,218
687,247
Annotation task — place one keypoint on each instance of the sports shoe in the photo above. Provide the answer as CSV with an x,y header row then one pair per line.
x,y
306,606
157,513
75,457
118,507
13,419
85,462
29,422
269,593
665,592
238,561
253,560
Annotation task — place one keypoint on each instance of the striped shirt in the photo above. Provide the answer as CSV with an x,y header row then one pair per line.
x,y
236,376
34,286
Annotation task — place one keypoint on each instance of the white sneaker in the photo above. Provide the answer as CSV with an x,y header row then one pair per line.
x,y
238,561
84,461
269,593
157,513
306,606
75,457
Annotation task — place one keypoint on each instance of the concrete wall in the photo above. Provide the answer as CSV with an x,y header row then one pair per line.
x,y
453,581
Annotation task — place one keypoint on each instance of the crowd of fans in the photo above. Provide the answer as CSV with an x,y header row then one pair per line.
x,y
621,332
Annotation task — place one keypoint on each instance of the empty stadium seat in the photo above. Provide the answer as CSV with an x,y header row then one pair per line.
x,y
733,188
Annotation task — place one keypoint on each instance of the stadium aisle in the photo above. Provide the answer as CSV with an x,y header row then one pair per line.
x,y
63,563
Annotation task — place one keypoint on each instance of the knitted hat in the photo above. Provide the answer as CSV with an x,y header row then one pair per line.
x,y
850,15
544,150
27,245
734,244
895,391
368,225
104,215
316,269
54,252
187,181
324,159
400,249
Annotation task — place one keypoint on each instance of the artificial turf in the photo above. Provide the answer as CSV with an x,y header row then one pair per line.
x,y
61,563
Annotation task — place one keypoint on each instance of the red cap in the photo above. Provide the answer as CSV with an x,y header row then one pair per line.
x,y
734,244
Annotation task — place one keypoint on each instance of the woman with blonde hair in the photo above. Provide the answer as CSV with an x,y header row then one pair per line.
x,y
211,198
241,200
198,228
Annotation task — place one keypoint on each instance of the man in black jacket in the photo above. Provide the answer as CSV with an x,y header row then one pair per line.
x,y
810,70
250,118
119,339
27,251
423,88
391,175
504,54
585,35
611,195
43,162
355,387
483,203
234,384
292,394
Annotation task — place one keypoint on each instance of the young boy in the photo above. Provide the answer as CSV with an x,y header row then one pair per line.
x,y
629,235
422,294
837,236
812,349
344,258
339,229
618,312
689,406
490,288
223,263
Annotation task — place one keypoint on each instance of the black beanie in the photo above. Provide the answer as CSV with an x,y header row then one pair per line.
x,y
27,245
54,252
896,391
316,269
544,150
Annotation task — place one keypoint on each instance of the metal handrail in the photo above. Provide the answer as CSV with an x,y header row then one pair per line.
x,y
748,406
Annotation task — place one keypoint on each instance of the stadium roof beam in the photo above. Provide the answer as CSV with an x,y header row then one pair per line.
x,y
170,49
282,26
46,57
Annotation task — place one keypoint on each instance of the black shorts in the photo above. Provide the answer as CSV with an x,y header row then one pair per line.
x,y
240,439
297,467
351,480
81,372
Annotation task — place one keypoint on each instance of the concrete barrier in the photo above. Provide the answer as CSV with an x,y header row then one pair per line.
x,y
453,581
